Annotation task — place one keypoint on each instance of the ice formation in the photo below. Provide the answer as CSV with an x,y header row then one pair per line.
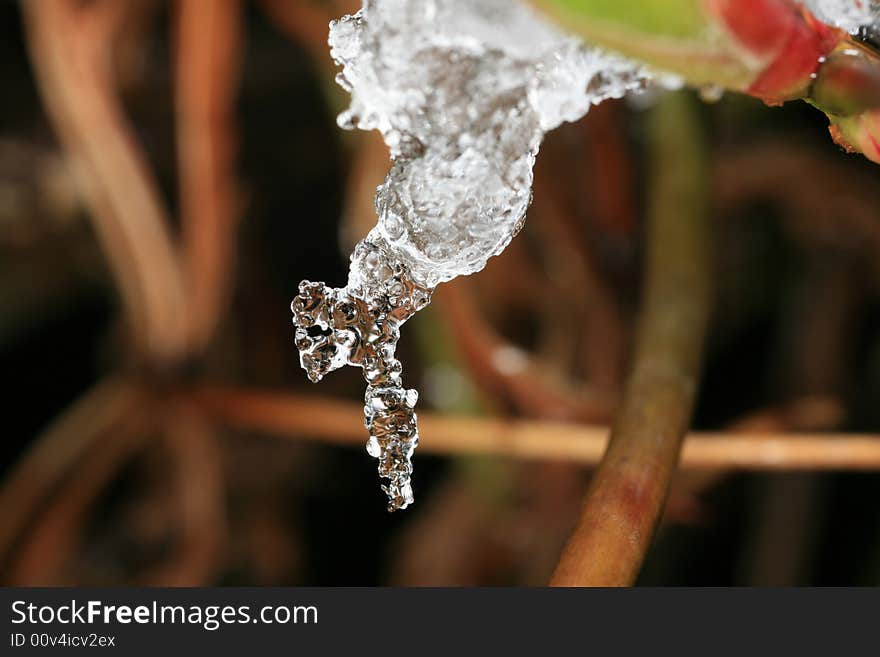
x,y
855,16
462,92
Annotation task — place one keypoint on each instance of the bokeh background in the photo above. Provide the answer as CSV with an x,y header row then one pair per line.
x,y
155,434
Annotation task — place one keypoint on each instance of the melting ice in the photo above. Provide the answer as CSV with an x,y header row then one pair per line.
x,y
462,92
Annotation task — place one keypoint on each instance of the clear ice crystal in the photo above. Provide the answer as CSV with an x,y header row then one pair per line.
x,y
462,92
359,325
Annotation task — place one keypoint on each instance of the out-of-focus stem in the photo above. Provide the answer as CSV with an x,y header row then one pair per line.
x,y
200,502
109,408
71,47
296,417
46,551
626,497
525,384
208,39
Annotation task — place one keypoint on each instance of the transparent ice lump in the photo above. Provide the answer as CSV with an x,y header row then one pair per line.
x,y
462,92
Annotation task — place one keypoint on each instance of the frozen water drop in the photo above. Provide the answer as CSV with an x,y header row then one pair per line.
x,y
412,396
406,493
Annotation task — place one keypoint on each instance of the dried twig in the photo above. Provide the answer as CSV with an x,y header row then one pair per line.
x,y
836,210
107,410
291,416
71,47
207,55
626,497
48,551
499,366
604,332
201,512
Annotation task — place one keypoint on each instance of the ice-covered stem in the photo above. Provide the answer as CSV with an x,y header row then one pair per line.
x,y
775,50
626,497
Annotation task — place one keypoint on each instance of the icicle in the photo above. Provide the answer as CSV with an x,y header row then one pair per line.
x,y
359,325
462,92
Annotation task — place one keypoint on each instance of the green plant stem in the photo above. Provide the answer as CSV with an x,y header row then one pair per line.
x,y
626,497
670,35
774,50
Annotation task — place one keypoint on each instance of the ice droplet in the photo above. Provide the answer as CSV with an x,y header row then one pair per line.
x,y
462,92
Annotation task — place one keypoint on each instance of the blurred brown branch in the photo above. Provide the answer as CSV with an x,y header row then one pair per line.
x,y
510,372
200,504
290,416
71,47
837,209
207,57
48,550
104,416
